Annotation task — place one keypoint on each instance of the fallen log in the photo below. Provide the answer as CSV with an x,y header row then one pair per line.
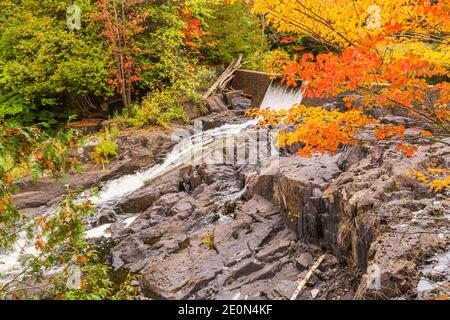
x,y
224,78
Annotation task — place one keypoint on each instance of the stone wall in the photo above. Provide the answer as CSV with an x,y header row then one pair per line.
x,y
253,83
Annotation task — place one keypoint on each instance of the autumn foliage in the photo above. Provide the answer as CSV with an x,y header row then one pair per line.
x,y
121,21
387,54
317,129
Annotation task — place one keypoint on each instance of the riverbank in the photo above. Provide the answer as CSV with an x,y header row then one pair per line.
x,y
218,230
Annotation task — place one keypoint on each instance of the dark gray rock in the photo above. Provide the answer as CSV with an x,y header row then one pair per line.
x,y
216,104
304,261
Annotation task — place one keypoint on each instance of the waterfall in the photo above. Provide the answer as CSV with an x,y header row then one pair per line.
x,y
279,97
276,97
182,153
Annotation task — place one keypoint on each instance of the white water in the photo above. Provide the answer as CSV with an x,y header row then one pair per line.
x,y
182,153
9,263
279,97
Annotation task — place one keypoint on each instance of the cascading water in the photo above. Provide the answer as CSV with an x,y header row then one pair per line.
x,y
116,189
182,153
276,97
279,97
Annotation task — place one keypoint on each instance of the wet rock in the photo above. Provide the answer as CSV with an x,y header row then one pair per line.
x,y
330,263
230,207
263,186
275,250
127,252
241,103
105,216
237,99
180,204
389,269
285,288
245,268
295,187
142,199
216,120
191,110
351,156
344,211
246,253
230,95
181,274
32,199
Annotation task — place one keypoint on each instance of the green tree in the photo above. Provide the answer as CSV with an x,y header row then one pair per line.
x,y
44,67
233,31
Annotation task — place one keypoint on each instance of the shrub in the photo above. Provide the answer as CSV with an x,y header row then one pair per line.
x,y
43,65
106,148
157,108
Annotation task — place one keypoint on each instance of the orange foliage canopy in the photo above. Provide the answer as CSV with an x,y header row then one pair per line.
x,y
388,52
317,129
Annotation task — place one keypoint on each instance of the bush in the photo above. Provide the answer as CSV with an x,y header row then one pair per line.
x,y
157,108
106,148
43,65
165,103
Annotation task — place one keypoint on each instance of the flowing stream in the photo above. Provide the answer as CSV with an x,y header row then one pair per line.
x,y
276,97
182,153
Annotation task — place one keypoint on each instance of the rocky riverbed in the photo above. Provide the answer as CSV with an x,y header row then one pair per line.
x,y
233,231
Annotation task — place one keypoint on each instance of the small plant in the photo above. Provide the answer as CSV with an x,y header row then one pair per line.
x,y
106,148
94,191
294,215
208,240
437,179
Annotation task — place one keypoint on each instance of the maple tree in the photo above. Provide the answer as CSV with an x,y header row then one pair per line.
x,y
193,30
129,27
121,22
389,54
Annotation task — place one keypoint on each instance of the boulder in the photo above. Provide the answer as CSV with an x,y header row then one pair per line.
x,y
216,104
304,261
32,199
230,95
142,199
